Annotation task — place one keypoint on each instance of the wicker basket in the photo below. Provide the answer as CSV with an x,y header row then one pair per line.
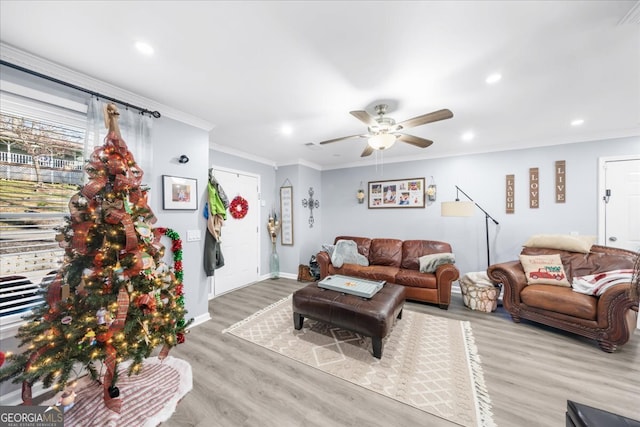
x,y
479,293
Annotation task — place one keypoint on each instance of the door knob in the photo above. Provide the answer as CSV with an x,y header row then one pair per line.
x,y
613,238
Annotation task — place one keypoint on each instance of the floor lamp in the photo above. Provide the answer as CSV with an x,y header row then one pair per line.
x,y
459,208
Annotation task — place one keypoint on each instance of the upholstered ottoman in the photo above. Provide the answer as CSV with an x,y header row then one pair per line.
x,y
372,317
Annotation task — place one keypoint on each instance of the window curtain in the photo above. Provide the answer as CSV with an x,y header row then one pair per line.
x,y
135,129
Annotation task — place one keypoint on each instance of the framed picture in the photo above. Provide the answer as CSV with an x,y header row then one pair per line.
x,y
286,213
179,193
401,193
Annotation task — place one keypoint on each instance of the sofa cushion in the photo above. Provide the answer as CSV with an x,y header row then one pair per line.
x,y
560,300
416,279
414,249
385,252
372,272
563,242
429,263
362,242
544,269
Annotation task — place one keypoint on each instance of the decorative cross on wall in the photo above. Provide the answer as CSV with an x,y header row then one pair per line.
x,y
311,203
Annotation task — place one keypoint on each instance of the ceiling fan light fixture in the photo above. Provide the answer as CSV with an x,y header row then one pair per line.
x,y
382,141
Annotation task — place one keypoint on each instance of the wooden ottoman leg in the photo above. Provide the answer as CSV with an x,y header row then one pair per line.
x,y
377,347
298,319
400,314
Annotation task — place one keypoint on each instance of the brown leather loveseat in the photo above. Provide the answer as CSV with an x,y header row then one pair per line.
x,y
397,261
610,318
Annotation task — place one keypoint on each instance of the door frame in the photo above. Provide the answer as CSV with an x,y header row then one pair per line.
x,y
602,161
210,285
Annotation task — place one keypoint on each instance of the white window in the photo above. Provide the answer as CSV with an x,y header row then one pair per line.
x,y
41,167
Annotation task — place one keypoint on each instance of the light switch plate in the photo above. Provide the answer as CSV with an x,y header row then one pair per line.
x,y
193,235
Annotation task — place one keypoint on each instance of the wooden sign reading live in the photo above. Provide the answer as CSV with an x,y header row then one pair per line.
x,y
561,183
510,194
534,188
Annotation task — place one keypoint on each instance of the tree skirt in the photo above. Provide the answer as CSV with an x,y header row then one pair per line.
x,y
148,398
429,362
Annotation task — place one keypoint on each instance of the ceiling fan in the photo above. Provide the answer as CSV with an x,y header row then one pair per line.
x,y
384,131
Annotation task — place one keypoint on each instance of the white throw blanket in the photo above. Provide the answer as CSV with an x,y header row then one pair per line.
x,y
597,284
346,252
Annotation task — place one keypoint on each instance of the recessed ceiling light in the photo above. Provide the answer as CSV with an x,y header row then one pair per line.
x,y
144,48
467,136
577,122
493,78
286,130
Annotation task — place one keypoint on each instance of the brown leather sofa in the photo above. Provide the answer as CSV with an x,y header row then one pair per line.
x,y
397,261
610,318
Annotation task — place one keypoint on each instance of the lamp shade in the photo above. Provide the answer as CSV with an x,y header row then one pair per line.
x,y
382,141
457,208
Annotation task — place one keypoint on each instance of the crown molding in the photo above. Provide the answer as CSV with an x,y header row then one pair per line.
x,y
18,57
241,154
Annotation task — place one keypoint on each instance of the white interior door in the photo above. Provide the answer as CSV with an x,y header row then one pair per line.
x,y
621,199
239,238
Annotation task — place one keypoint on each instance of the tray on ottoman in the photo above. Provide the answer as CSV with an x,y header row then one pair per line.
x,y
352,285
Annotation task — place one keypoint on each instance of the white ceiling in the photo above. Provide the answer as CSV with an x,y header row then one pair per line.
x,y
250,67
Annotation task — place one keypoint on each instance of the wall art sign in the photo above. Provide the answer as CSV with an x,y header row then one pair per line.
x,y
179,193
402,193
561,181
510,194
286,214
534,189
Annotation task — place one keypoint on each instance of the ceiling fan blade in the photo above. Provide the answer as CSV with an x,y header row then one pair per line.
x,y
415,140
329,141
426,118
364,117
367,151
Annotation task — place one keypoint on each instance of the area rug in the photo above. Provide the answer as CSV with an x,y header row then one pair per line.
x,y
428,362
148,398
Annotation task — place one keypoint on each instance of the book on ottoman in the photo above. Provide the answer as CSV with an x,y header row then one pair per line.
x,y
352,285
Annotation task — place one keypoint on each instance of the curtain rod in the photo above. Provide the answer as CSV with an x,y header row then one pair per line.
x,y
155,114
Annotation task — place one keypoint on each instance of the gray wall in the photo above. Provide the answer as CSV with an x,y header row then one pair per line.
x,y
305,237
482,177
170,140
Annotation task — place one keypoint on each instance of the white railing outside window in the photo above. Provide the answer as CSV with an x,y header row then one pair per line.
x,y
33,205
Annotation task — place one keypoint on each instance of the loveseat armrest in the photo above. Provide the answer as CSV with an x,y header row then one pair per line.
x,y
324,260
512,276
445,275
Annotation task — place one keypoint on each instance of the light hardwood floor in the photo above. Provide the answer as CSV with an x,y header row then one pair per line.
x,y
530,372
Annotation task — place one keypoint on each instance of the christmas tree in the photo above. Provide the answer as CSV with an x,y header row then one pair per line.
x,y
113,299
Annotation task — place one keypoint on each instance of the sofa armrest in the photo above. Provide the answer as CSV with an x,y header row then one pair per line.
x,y
324,260
614,303
445,275
512,276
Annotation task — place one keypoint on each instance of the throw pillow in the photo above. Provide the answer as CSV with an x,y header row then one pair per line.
x,y
544,270
429,263
346,252
562,242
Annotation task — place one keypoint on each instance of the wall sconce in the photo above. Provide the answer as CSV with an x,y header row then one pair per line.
x,y
360,195
431,190
183,159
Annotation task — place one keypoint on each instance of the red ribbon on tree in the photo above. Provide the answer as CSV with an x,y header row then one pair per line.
x,y
110,361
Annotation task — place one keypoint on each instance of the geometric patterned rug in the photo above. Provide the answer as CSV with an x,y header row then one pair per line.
x,y
428,362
